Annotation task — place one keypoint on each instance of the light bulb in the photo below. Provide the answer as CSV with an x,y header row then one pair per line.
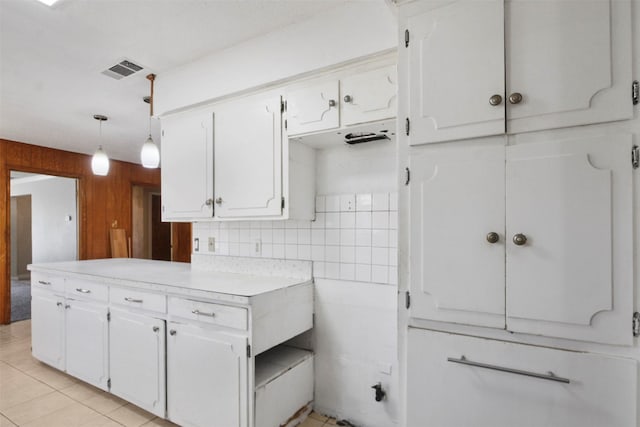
x,y
100,162
150,155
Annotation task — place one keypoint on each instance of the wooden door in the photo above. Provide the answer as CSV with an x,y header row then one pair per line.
x,y
570,61
369,96
187,166
160,232
313,108
181,242
573,201
443,393
206,377
137,360
455,64
248,158
87,342
456,201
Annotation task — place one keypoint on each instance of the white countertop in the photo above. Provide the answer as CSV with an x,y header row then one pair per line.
x,y
169,276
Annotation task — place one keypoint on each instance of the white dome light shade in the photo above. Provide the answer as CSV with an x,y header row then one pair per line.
x,y
100,162
150,155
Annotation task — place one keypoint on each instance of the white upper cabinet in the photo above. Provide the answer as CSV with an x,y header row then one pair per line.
x,y
561,213
313,108
368,96
362,97
457,265
567,63
187,166
248,156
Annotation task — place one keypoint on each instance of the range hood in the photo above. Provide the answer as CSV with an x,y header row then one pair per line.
x,y
368,133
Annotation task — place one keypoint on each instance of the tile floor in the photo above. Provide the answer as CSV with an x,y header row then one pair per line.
x,y
32,394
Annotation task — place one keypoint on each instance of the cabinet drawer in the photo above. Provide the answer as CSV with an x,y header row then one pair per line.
x,y
217,314
83,289
47,281
138,299
498,383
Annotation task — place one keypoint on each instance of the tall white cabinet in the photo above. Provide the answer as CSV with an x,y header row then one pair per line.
x,y
518,229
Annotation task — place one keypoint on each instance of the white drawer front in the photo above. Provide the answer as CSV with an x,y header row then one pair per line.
x,y
83,289
217,314
47,281
492,386
138,299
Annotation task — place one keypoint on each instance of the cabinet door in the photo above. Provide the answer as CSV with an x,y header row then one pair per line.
x,y
47,329
248,158
455,63
602,391
206,377
187,166
368,96
573,277
313,108
87,348
137,360
570,61
456,200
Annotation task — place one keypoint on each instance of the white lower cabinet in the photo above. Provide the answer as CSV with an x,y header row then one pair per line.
x,y
206,377
87,339
137,359
459,380
47,328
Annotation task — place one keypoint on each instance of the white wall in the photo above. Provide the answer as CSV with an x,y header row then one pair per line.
x,y
54,238
357,29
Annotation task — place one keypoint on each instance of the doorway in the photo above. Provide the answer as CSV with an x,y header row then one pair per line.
x,y
44,228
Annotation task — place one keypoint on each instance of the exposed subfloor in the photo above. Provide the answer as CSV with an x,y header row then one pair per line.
x,y
33,394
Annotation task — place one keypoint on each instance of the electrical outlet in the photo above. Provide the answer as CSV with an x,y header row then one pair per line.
x,y
257,247
212,244
196,245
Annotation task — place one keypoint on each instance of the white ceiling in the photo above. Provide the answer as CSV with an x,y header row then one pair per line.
x,y
51,61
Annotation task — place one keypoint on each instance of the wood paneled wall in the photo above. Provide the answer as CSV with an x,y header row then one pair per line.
x,y
101,200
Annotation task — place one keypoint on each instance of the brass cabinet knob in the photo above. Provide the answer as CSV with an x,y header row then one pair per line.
x,y
172,332
495,100
156,329
515,98
219,201
519,239
348,98
208,202
493,237
332,103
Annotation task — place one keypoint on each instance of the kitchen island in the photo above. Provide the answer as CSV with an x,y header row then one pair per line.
x,y
196,346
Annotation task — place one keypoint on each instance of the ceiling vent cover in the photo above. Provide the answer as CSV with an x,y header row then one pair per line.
x,y
124,68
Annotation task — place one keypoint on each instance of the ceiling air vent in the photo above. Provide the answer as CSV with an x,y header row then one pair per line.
x,y
124,68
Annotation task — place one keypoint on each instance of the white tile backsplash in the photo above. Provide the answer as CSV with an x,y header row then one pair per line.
x,y
354,237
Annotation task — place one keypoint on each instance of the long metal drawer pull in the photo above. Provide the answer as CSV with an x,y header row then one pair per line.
x,y
42,282
203,314
83,291
550,376
129,299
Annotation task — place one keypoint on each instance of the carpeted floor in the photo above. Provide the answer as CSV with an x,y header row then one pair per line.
x,y
20,300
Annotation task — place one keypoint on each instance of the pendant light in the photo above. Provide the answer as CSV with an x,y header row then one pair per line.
x,y
100,160
150,155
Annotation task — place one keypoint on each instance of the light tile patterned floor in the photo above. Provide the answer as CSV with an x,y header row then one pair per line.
x,y
32,394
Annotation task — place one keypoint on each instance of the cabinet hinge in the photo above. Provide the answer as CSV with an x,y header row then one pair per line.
x,y
285,123
282,109
407,126
406,38
407,300
248,350
109,383
109,317
407,178
282,203
635,157
636,324
635,92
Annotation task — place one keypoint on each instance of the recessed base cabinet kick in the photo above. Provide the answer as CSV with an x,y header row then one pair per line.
x,y
189,354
